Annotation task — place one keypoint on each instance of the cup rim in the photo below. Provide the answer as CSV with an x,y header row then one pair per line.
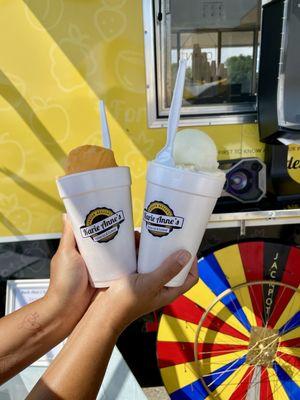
x,y
208,184
209,174
93,180
77,174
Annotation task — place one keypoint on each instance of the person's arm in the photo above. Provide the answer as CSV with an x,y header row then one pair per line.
x,y
27,334
30,332
78,370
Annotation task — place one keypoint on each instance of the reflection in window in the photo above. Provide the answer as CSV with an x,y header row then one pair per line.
x,y
220,40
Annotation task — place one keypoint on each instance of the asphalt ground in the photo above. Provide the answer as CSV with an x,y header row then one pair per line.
x,y
156,393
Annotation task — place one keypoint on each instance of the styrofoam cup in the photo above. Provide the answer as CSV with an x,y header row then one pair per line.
x,y
98,203
178,205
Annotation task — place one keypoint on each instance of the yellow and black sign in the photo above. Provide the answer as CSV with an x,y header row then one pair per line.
x,y
160,219
102,224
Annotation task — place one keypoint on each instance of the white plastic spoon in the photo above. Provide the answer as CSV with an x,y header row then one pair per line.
x,y
104,126
165,156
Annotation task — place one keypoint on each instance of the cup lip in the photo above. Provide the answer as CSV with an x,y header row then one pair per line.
x,y
92,181
94,171
218,174
206,184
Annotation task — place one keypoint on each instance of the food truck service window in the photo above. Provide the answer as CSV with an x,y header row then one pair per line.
x,y
220,39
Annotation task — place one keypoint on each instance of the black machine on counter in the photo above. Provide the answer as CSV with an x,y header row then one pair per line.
x,y
279,78
279,93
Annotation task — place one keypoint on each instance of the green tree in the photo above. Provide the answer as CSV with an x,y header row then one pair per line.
x,y
240,71
188,73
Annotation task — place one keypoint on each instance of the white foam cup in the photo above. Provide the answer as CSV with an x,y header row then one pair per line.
x,y
178,205
98,203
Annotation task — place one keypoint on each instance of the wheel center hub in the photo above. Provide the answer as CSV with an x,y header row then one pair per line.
x,y
262,346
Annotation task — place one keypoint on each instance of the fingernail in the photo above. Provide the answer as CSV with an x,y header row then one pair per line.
x,y
64,217
183,257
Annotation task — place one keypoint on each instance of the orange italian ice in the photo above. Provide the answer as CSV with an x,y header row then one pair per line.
x,y
88,157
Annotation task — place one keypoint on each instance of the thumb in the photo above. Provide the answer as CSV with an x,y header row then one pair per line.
x,y
170,267
67,240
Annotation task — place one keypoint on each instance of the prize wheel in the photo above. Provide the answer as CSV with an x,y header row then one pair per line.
x,y
236,334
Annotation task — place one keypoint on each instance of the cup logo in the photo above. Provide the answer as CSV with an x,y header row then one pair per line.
x,y
160,219
102,224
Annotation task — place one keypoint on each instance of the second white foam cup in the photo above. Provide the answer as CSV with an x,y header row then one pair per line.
x,y
178,205
98,203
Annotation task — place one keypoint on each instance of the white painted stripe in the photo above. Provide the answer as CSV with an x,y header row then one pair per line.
x,y
254,388
22,238
248,223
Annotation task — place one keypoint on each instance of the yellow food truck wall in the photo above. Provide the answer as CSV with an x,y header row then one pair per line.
x,y
57,59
